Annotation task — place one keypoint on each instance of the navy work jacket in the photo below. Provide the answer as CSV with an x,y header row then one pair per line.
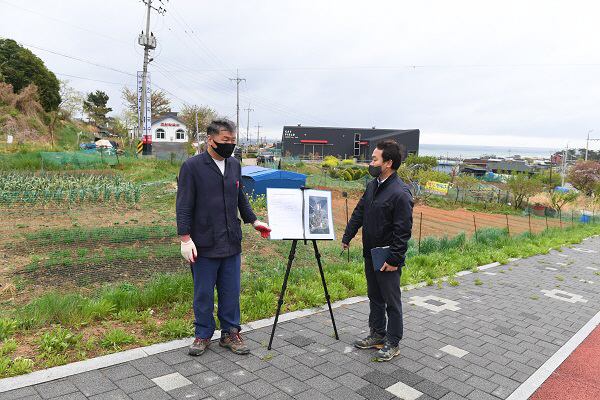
x,y
207,205
385,214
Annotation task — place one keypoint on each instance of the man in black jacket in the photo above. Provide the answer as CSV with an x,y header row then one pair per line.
x,y
209,195
385,214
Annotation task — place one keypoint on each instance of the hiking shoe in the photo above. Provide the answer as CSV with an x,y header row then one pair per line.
x,y
234,342
198,347
373,341
387,352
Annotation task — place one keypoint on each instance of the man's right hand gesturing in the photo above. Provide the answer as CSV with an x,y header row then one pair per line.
x,y
188,250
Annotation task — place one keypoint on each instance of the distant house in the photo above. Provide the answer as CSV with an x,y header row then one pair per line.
x,y
509,166
170,129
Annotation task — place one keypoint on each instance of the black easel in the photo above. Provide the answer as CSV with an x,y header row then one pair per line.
x,y
287,273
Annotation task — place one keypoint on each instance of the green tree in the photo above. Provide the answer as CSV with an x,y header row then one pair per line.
x,y
544,177
426,161
205,116
523,186
20,67
465,183
160,104
560,199
95,106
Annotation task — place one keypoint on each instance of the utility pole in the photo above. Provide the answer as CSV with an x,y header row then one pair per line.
x,y
197,135
248,121
149,42
237,79
588,143
258,134
564,169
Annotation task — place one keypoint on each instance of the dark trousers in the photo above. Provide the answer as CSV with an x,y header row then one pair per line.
x,y
383,289
225,274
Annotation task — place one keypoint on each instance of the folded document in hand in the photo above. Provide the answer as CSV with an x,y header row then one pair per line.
x,y
379,255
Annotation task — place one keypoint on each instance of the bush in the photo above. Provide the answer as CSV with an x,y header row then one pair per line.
x,y
359,173
347,176
330,162
347,162
334,173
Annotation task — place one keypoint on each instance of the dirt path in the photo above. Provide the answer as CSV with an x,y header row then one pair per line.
x,y
438,222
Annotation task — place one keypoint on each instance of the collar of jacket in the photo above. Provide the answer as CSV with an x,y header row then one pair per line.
x,y
211,164
390,178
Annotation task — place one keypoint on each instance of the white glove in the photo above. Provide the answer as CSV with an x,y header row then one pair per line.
x,y
188,250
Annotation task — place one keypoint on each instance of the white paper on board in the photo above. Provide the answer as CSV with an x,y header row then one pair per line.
x,y
284,209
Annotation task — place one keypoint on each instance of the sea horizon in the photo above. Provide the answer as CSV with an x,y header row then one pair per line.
x,y
472,151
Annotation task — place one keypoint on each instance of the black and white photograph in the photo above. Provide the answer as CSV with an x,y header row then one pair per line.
x,y
318,218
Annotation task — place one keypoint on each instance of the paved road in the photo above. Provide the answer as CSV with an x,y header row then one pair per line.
x,y
498,334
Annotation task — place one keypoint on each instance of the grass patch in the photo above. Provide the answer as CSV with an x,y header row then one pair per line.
x,y
132,306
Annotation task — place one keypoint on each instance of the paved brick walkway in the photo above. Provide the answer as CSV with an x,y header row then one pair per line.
x,y
485,338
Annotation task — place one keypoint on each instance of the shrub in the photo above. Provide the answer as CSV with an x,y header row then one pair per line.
x,y
359,173
347,162
334,173
347,176
330,162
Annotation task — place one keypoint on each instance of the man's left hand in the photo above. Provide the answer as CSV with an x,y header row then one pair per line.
x,y
262,228
387,267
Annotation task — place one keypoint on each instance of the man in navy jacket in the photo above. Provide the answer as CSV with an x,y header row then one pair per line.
x,y
385,214
209,195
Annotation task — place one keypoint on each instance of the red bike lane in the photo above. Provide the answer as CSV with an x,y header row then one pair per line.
x,y
578,377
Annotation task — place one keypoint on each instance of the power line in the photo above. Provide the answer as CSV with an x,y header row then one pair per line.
x,y
91,79
63,22
78,59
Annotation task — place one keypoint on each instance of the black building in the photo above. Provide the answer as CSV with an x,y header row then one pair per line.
x,y
318,142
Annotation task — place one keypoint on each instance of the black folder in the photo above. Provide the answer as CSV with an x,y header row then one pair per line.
x,y
379,255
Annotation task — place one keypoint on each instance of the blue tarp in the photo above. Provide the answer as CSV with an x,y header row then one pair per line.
x,y
258,179
561,189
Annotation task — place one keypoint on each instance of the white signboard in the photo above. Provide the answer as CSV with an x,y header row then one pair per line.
x,y
300,214
146,120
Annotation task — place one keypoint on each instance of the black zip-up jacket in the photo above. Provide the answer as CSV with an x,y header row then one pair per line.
x,y
207,205
385,214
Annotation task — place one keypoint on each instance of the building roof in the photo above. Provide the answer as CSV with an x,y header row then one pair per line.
x,y
168,116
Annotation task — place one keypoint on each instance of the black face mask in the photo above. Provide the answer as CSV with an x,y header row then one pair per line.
x,y
225,150
374,171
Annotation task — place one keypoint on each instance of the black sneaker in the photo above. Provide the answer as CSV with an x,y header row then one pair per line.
x,y
198,346
387,352
373,341
234,342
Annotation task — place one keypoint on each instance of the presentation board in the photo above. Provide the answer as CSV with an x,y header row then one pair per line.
x,y
300,214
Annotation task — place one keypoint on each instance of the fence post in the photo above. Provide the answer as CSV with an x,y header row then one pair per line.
x,y
529,215
546,215
347,220
420,230
507,226
475,224
572,218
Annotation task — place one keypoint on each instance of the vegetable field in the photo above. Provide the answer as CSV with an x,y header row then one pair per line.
x,y
32,190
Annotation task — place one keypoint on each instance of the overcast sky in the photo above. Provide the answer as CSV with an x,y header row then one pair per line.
x,y
520,73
